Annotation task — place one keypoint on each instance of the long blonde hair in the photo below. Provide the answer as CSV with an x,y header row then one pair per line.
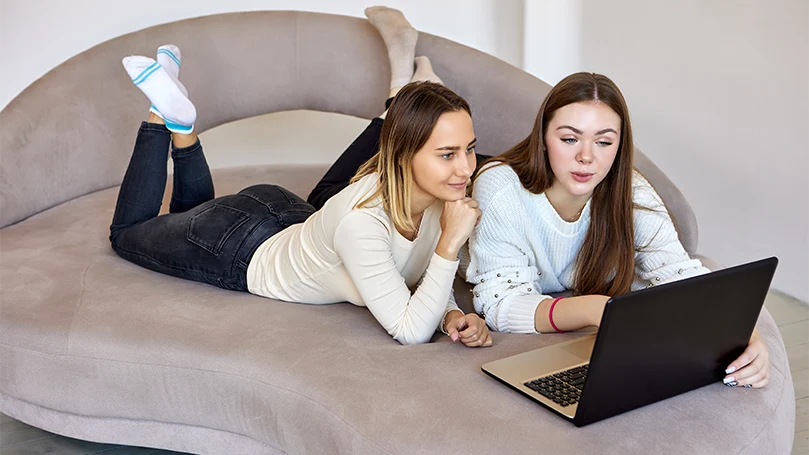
x,y
409,123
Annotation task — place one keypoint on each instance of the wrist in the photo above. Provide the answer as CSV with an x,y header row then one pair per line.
x,y
447,249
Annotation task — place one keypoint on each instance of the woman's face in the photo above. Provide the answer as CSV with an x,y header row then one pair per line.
x,y
582,141
442,168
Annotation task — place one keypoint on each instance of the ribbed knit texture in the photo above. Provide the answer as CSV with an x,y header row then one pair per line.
x,y
522,250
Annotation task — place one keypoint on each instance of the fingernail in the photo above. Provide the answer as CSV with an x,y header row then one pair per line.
x,y
729,380
730,369
732,384
747,386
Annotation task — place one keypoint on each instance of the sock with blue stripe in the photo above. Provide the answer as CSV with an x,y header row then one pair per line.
x,y
170,58
155,82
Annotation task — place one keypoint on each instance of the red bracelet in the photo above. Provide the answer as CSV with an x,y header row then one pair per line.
x,y
550,315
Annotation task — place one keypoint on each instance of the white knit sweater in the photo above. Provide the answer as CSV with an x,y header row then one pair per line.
x,y
523,250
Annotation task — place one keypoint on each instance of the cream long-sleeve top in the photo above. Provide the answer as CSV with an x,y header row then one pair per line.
x,y
522,250
347,254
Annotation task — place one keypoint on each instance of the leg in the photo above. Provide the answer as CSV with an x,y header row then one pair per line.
x,y
142,189
400,38
213,242
340,173
193,184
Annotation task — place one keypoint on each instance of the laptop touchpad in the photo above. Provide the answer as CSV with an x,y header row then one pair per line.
x,y
581,348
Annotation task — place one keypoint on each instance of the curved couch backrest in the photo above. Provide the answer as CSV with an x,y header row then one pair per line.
x,y
71,132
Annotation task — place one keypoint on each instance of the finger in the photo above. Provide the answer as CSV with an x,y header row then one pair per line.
x,y
471,330
747,356
473,344
452,332
489,341
760,362
469,338
757,368
751,376
761,383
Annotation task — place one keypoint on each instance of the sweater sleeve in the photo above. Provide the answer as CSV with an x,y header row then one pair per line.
x,y
659,256
506,290
363,243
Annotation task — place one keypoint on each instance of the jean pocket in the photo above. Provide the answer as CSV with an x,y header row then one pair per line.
x,y
211,227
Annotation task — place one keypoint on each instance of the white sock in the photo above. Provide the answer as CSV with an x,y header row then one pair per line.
x,y
400,38
424,71
150,77
170,58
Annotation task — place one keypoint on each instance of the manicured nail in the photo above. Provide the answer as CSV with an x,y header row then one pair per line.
x,y
729,380
732,384
747,386
730,369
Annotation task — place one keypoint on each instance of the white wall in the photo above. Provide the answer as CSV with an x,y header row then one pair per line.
x,y
719,98
37,35
718,91
493,26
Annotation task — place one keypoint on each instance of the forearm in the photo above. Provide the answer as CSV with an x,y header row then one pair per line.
x,y
570,313
448,248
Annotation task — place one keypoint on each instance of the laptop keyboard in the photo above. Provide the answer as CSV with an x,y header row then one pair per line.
x,y
564,388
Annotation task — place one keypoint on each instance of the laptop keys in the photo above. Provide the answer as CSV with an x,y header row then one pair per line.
x,y
563,388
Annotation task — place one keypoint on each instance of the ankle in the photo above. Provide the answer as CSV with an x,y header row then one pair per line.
x,y
154,118
181,141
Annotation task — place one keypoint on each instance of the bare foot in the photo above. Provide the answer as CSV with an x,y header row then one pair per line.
x,y
400,38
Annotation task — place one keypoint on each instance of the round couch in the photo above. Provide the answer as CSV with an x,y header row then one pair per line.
x,y
96,348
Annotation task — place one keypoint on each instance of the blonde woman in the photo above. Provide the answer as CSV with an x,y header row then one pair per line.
x,y
387,241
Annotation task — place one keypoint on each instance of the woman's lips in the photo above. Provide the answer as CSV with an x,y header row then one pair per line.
x,y
582,176
458,186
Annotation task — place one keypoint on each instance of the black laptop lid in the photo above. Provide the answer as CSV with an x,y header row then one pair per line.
x,y
662,341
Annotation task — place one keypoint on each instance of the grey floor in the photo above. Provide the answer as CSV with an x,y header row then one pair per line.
x,y
792,317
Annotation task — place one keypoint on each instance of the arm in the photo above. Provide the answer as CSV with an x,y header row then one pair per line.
x,y
507,285
506,288
365,248
659,256
572,313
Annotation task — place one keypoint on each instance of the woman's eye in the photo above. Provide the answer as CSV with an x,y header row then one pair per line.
x,y
604,143
471,149
569,140
447,156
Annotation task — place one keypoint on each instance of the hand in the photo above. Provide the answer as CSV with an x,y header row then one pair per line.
x,y
469,328
458,219
752,368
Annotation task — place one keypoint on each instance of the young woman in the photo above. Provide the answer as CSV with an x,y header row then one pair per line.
x,y
398,226
564,209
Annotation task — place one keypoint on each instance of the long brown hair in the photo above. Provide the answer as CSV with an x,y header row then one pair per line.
x,y
606,261
408,125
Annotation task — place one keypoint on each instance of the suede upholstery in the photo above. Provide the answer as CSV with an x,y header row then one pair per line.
x,y
94,347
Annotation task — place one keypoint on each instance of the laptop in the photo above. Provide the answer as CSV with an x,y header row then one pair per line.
x,y
651,345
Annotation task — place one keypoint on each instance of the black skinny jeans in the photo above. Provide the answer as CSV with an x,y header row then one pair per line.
x,y
206,239
202,238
